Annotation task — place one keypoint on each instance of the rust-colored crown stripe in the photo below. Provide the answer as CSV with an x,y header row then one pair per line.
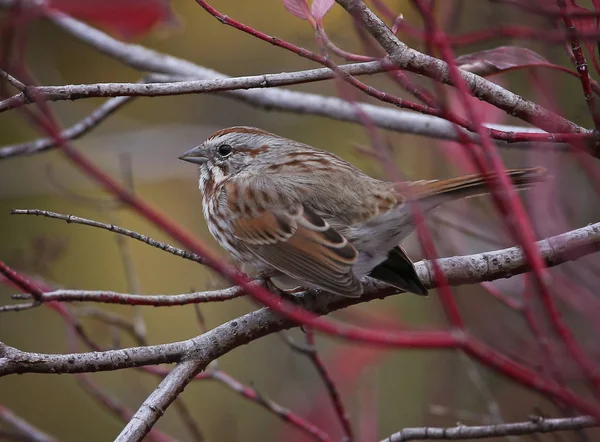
x,y
239,130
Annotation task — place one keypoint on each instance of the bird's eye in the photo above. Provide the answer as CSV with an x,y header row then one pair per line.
x,y
224,150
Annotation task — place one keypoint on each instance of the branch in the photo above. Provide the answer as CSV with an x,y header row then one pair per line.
x,y
414,61
254,325
77,92
12,80
72,133
25,429
159,400
462,432
310,351
504,263
107,297
112,228
281,412
195,354
143,59
458,270
115,406
181,87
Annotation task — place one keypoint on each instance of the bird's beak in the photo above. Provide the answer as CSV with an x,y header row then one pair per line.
x,y
195,155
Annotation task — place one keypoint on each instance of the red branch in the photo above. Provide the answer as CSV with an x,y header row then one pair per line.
x,y
580,63
509,205
21,282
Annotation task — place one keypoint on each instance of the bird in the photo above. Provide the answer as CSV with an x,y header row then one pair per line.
x,y
314,219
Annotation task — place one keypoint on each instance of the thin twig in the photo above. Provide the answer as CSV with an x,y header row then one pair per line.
x,y
188,420
110,318
12,80
124,246
24,428
115,406
81,91
464,432
108,297
283,413
19,307
159,400
72,133
487,396
310,350
110,227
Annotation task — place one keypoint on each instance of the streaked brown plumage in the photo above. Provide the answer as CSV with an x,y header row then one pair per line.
x,y
282,205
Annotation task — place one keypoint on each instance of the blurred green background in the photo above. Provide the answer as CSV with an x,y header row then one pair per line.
x,y
145,139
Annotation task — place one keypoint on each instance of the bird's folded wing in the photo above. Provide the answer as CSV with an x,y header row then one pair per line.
x,y
298,242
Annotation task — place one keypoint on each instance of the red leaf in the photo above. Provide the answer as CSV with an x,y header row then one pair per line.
x,y
297,7
500,59
128,18
320,8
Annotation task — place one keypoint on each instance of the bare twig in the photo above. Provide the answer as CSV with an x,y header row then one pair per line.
x,y
188,420
25,429
110,318
468,269
124,246
12,80
81,91
487,396
19,307
310,350
72,133
115,406
87,222
107,297
283,413
22,283
464,432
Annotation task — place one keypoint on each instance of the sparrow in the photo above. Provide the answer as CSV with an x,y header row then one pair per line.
x,y
313,218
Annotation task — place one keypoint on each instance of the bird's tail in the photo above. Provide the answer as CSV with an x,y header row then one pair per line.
x,y
397,269
433,193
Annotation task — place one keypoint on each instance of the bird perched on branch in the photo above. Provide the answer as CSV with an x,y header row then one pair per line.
x,y
285,207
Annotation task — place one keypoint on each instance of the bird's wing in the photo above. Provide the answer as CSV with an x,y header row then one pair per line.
x,y
292,238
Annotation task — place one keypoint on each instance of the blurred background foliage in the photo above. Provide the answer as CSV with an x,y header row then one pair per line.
x,y
398,388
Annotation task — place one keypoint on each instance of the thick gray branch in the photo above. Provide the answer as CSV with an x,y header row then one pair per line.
x,y
414,61
159,400
505,263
